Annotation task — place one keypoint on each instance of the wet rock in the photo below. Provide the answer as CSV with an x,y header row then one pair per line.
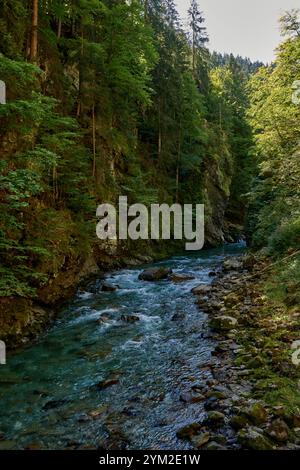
x,y
130,318
201,439
214,418
178,317
190,398
217,394
107,383
178,278
202,289
279,431
215,446
155,274
108,288
254,439
50,405
223,323
188,431
95,414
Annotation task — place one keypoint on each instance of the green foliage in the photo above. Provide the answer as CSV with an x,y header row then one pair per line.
x,y
275,198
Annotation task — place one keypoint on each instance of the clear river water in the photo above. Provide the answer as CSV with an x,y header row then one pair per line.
x,y
48,390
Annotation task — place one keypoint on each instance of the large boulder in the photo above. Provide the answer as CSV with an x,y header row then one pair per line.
x,y
155,274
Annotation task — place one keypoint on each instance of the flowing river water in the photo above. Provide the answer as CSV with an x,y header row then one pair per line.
x,y
48,391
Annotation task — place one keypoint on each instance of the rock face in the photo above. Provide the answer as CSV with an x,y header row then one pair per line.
x,y
155,274
223,323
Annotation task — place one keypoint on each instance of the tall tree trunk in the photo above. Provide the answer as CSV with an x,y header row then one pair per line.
x,y
34,30
178,164
159,132
80,77
59,28
94,140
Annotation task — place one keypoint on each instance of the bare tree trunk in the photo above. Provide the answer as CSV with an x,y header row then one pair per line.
x,y
59,28
80,77
34,30
94,140
178,164
159,132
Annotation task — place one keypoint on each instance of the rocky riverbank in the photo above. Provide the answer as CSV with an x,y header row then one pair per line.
x,y
252,399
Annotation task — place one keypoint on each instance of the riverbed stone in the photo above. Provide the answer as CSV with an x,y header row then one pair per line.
x,y
214,417
279,431
253,438
213,445
223,323
188,431
130,318
108,287
200,439
256,413
202,289
179,278
107,383
155,274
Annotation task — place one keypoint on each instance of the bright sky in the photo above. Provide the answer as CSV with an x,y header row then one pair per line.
x,y
245,27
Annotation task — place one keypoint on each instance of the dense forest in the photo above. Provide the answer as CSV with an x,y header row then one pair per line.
x,y
108,98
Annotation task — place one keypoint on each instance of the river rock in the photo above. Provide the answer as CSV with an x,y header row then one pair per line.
x,y
201,439
252,438
215,446
223,323
188,431
107,383
214,417
130,318
256,413
178,316
155,274
108,288
278,430
50,405
202,289
232,265
178,278
190,398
